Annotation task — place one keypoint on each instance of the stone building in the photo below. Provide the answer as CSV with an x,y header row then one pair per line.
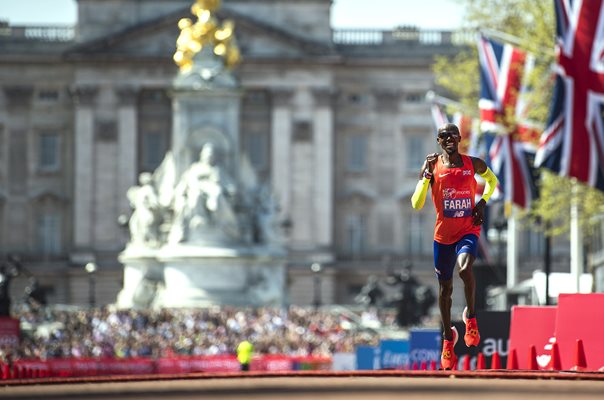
x,y
336,121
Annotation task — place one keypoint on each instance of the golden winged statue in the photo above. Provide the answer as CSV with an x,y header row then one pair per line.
x,y
206,31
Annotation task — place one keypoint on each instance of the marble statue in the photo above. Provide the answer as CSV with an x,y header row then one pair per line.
x,y
144,222
203,201
203,230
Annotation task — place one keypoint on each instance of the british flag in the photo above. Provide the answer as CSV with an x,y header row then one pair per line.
x,y
573,142
509,140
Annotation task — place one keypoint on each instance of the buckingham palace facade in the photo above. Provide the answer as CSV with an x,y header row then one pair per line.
x,y
335,120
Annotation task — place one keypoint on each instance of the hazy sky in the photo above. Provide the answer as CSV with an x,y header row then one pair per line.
x,y
386,14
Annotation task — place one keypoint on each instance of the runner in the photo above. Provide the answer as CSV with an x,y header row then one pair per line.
x,y
451,177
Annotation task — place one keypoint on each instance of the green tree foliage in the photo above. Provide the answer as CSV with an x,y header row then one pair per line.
x,y
530,26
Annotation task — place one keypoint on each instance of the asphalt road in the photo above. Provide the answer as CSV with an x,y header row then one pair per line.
x,y
317,388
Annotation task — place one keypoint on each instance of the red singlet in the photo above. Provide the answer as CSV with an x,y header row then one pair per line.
x,y
453,191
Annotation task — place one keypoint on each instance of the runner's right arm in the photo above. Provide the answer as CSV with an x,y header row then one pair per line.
x,y
421,189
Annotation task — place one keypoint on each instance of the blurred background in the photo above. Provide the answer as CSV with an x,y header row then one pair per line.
x,y
331,115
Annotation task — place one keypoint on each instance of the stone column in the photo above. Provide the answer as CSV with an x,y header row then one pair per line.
x,y
323,146
127,145
84,97
17,230
387,206
281,122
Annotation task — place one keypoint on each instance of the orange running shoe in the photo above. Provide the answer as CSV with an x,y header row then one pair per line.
x,y
472,336
448,359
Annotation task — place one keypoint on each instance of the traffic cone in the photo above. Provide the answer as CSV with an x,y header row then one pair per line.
x,y
480,363
512,360
554,362
495,361
423,366
580,361
532,358
466,363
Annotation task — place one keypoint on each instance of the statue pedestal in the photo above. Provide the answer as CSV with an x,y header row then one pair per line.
x,y
191,276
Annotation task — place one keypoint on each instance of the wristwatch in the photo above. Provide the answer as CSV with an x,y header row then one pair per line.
x,y
427,174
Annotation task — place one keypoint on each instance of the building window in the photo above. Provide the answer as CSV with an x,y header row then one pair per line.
x,y
355,235
416,245
49,234
48,95
256,148
415,153
535,243
414,98
49,152
357,153
153,150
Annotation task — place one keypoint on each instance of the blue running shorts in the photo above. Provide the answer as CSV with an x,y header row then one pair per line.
x,y
445,255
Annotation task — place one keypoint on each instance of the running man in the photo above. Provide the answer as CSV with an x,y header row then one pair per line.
x,y
458,220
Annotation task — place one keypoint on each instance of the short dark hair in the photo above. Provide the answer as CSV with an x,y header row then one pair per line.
x,y
448,128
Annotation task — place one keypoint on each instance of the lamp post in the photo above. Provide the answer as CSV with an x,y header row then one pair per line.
x,y
91,269
316,269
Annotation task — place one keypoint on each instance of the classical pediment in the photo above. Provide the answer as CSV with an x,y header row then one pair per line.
x,y
157,39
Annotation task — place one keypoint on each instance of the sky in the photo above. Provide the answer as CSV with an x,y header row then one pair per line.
x,y
382,14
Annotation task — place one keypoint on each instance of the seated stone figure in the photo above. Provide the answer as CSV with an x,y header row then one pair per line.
x,y
203,202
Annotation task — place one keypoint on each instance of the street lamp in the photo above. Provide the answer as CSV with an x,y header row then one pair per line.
x,y
316,269
91,269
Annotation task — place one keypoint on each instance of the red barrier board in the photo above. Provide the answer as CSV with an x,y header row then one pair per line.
x,y
531,326
581,316
74,367
9,332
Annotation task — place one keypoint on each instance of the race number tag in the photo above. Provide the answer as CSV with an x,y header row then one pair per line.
x,y
457,203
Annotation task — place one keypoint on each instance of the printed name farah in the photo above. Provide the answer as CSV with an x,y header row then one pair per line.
x,y
458,204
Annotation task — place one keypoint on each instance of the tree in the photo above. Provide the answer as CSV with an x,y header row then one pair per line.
x,y
531,24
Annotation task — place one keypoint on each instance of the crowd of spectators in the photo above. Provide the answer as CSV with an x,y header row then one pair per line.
x,y
108,332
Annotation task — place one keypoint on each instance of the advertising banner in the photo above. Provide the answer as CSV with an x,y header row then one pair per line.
x,y
425,345
9,332
394,354
367,358
494,327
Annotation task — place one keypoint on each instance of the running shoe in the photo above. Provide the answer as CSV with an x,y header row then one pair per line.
x,y
472,336
448,359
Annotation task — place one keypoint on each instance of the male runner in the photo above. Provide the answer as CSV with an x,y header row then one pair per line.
x,y
458,220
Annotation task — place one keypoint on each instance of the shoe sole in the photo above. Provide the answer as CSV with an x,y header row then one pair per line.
x,y
465,321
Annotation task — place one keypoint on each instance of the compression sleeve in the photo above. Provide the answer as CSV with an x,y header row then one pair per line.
x,y
419,196
491,184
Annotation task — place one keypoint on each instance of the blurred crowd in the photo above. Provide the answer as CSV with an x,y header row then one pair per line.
x,y
107,332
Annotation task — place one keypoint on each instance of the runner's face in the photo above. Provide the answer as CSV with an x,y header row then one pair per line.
x,y
448,140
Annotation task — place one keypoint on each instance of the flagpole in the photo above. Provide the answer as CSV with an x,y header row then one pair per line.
x,y
506,37
512,248
576,240
432,97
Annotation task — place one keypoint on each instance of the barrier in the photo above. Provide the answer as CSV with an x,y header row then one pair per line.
x,y
531,326
580,316
79,367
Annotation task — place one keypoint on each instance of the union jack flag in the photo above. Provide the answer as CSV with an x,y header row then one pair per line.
x,y
510,144
573,142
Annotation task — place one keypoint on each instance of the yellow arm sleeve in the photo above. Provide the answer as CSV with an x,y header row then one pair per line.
x,y
419,196
491,184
